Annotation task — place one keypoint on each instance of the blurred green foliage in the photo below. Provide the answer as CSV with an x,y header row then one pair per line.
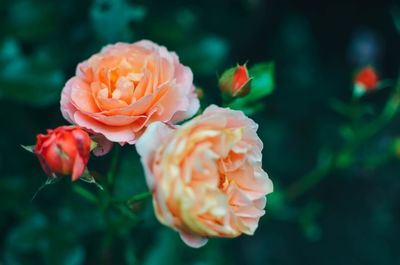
x,y
345,192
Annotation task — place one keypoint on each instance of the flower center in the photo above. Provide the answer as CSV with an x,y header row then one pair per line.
x,y
223,182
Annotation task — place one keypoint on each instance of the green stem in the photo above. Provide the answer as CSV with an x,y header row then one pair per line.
x,y
135,198
379,160
106,205
363,133
139,197
113,168
309,180
389,112
84,193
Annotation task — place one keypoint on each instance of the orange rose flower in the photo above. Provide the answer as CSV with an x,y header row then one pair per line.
x,y
64,150
121,90
206,176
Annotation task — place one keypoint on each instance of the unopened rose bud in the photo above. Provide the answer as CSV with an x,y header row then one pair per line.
x,y
64,150
235,82
366,80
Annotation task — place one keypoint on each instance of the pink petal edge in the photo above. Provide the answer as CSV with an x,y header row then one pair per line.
x,y
103,145
192,240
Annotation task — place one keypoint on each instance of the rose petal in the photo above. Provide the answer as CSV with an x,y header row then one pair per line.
x,y
192,240
148,143
103,145
67,108
79,167
81,96
119,134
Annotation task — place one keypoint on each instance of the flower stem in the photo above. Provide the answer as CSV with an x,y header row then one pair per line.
x,y
342,158
135,198
85,193
309,180
113,168
139,197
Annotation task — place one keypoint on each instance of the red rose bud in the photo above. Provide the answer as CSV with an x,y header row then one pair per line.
x,y
235,82
64,150
366,80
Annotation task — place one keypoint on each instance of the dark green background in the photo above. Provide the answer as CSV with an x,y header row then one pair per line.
x,y
352,216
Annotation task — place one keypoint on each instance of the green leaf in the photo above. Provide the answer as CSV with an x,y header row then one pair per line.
x,y
50,180
263,80
87,177
28,148
359,90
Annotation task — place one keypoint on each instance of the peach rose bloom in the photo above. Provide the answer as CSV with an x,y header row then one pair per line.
x,y
206,175
121,90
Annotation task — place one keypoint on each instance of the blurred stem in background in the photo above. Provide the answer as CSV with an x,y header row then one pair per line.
x,y
361,132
